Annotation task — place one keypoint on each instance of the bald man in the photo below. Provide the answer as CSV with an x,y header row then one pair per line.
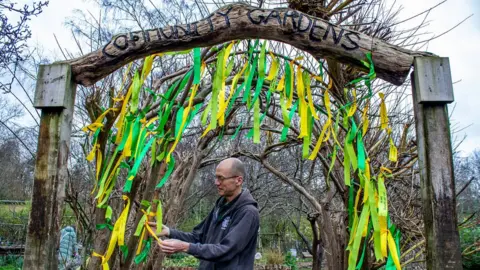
x,y
227,237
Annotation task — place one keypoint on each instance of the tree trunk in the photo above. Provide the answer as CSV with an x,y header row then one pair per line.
x,y
317,245
179,188
333,243
157,171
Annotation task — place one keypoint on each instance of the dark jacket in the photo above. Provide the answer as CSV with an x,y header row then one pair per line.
x,y
227,237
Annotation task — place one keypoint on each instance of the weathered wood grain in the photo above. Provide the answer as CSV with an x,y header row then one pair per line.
x,y
52,86
434,82
437,177
50,176
240,21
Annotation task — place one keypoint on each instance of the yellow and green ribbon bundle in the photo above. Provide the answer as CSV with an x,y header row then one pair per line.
x,y
160,135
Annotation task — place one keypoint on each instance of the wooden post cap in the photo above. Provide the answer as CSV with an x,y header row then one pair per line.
x,y
433,80
53,83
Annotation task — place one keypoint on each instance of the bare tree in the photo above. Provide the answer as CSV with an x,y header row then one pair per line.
x,y
13,37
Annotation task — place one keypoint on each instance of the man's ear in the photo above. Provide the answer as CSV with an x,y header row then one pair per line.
x,y
240,180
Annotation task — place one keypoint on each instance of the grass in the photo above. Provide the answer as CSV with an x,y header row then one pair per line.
x,y
183,260
11,262
274,257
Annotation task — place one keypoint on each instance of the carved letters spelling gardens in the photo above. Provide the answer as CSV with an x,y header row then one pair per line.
x,y
298,22
239,21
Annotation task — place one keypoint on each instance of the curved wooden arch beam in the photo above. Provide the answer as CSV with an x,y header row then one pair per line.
x,y
240,21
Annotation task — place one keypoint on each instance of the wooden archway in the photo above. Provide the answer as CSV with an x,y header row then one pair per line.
x,y
432,90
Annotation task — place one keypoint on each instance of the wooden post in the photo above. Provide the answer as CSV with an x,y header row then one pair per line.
x,y
432,91
55,96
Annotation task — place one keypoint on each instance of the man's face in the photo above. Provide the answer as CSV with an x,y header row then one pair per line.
x,y
227,182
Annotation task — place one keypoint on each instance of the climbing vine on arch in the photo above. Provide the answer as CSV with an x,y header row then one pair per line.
x,y
263,76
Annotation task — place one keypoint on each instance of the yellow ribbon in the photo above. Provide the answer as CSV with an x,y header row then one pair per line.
x,y
303,105
149,229
326,99
273,68
186,112
105,193
118,234
281,85
290,97
383,234
383,112
140,244
104,262
365,119
353,109
121,118
159,216
392,154
147,66
221,94
310,99
98,122
184,120
393,251
221,109
119,228
91,155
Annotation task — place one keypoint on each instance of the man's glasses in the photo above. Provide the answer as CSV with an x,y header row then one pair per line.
x,y
221,178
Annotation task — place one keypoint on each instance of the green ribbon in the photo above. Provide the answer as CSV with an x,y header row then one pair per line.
x,y
261,73
335,150
141,223
169,171
144,254
138,161
234,98
396,235
237,131
248,85
307,139
360,152
374,218
103,226
256,122
217,87
108,213
196,65
124,250
288,80
351,195
178,120
365,241
286,127
137,84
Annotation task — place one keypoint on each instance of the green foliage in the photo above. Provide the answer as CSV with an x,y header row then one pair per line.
x,y
181,259
273,257
14,220
291,261
14,214
11,262
468,238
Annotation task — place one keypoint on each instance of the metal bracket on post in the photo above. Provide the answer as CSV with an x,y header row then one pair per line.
x,y
432,91
55,95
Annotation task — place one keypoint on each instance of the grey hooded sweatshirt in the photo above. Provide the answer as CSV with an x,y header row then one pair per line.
x,y
227,237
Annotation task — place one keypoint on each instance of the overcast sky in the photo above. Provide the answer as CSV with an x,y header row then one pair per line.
x,y
461,45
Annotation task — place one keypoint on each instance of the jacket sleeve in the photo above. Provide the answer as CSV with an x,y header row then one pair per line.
x,y
195,236
244,228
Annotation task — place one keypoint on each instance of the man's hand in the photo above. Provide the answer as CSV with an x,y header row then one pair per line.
x,y
171,246
165,230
